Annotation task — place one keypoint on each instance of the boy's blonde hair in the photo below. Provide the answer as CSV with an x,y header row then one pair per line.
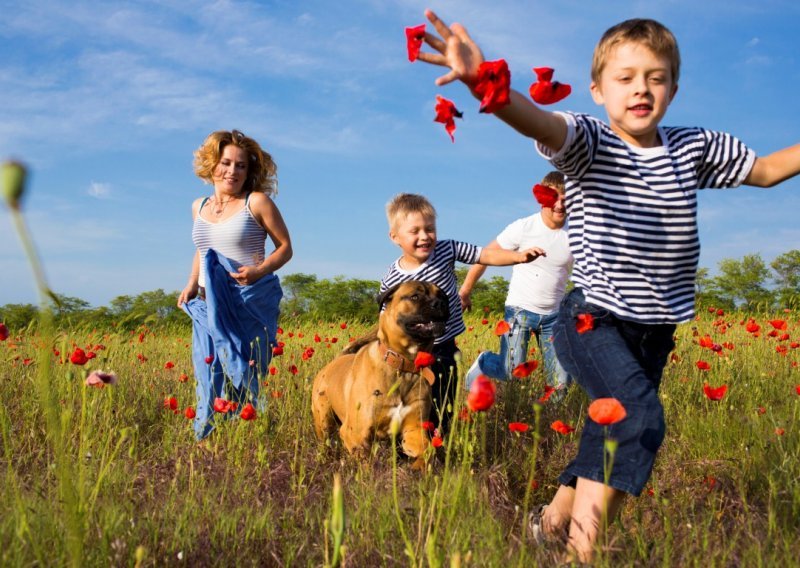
x,y
649,33
403,204
261,168
554,179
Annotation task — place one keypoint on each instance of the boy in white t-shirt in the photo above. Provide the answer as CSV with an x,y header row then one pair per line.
x,y
535,290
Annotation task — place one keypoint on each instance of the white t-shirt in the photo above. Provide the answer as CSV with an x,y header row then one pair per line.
x,y
537,286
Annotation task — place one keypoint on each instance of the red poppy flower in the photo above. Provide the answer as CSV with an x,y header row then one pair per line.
x,y
518,427
428,426
277,350
752,326
3,332
585,323
248,412
797,389
169,365
780,431
703,365
141,357
548,391
273,370
493,85
293,369
524,369
78,357
276,394
607,411
414,38
714,393
546,196
317,338
171,402
545,91
437,442
189,412
481,394
209,359
778,324
446,113
343,325
561,427
761,410
424,359
501,328
705,341
223,406
91,354
781,350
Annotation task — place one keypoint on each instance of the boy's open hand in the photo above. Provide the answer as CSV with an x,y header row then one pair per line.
x,y
456,51
531,254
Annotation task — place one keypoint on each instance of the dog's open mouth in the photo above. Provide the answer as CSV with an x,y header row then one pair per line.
x,y
425,329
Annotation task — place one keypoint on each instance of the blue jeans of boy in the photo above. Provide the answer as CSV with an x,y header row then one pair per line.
x,y
615,359
514,347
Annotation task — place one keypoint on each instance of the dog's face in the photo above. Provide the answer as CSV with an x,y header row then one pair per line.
x,y
419,309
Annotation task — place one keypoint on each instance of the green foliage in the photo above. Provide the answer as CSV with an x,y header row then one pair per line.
x,y
787,269
487,296
341,297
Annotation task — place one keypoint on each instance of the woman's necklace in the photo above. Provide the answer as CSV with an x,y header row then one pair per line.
x,y
219,206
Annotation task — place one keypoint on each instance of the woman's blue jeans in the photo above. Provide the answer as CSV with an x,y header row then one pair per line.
x,y
514,347
615,359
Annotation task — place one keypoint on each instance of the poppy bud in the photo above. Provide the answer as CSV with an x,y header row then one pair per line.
x,y
13,175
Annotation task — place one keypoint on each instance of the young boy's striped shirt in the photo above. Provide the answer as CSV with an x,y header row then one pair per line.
x,y
633,213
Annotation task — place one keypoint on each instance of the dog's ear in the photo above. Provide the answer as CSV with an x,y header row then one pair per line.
x,y
387,295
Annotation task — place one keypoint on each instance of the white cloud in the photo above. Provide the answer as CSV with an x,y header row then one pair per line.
x,y
99,190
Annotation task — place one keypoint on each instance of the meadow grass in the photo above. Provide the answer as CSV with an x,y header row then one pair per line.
x,y
98,477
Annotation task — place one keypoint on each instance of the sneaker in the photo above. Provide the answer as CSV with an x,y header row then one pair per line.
x,y
473,372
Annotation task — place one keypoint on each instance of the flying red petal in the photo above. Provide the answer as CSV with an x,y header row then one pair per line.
x,y
493,85
546,196
545,91
414,37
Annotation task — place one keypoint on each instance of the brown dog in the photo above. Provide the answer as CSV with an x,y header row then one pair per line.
x,y
374,382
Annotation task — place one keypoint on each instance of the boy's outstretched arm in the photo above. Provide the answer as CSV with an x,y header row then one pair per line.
x,y
775,168
458,52
503,257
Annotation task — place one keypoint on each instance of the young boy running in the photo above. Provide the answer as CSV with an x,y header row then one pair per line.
x,y
412,227
632,204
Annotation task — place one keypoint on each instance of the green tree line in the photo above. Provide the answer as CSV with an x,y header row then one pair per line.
x,y
747,284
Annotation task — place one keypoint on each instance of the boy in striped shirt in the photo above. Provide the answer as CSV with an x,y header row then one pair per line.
x,y
412,227
632,205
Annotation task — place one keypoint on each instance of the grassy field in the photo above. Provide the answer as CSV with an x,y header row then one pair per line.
x,y
113,476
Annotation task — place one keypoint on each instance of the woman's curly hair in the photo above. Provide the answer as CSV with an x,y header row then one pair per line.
x,y
261,169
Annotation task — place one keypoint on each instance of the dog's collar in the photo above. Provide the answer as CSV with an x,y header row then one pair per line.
x,y
404,365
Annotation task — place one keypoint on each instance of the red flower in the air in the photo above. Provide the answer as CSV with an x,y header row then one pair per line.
x,y
424,359
414,37
248,412
548,391
481,394
607,411
524,369
518,427
171,403
714,393
446,113
585,323
546,196
189,412
703,365
545,91
501,328
561,427
778,324
78,357
493,85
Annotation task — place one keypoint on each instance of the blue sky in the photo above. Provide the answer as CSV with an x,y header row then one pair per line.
x,y
106,101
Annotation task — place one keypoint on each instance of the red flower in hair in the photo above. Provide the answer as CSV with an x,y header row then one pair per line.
x,y
714,393
518,427
501,328
561,427
424,359
414,37
545,91
546,196
446,113
248,412
585,323
493,85
607,411
481,394
524,369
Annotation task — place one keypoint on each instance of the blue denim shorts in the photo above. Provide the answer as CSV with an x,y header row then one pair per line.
x,y
623,360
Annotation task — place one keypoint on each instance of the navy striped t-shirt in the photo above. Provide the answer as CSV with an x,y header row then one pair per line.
x,y
440,270
633,213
